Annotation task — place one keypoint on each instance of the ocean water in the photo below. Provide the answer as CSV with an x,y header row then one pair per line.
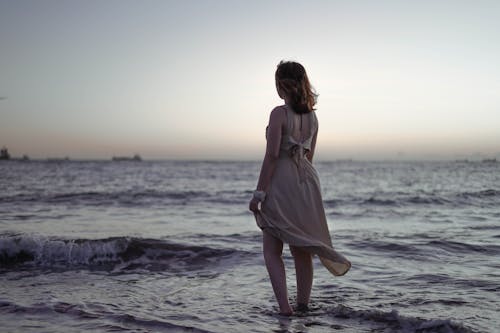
x,y
170,247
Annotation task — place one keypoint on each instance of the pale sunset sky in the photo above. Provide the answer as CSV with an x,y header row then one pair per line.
x,y
195,79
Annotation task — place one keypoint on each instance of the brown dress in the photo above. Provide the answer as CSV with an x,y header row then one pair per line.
x,y
293,208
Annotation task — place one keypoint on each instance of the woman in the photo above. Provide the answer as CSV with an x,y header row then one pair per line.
x,y
291,208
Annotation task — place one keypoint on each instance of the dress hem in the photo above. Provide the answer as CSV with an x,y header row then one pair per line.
x,y
327,255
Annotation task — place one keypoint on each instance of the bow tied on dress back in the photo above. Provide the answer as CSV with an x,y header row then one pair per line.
x,y
298,152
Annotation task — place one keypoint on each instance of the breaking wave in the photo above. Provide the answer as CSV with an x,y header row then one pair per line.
x,y
127,252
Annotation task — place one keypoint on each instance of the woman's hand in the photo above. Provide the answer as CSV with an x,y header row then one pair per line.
x,y
254,205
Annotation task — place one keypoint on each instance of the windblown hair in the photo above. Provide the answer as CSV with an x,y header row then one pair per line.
x,y
291,79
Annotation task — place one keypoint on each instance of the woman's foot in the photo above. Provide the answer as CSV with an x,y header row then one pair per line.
x,y
286,314
302,307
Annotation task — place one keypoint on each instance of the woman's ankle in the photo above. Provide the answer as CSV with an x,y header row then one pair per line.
x,y
286,310
302,307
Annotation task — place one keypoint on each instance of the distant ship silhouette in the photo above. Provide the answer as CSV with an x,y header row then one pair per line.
x,y
136,157
57,159
4,154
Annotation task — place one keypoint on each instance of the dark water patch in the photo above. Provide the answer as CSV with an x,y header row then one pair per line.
x,y
399,199
477,218
395,322
428,200
130,198
139,323
381,246
41,308
418,246
450,281
98,319
484,198
357,213
485,227
35,217
93,198
23,217
416,236
489,193
334,202
447,302
236,196
251,238
429,278
463,248
380,202
113,253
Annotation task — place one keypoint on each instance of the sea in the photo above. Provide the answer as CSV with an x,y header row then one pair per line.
x,y
170,246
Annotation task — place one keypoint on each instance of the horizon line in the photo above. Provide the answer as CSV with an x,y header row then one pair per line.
x,y
161,159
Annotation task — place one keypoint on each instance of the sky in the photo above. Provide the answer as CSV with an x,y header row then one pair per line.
x,y
195,79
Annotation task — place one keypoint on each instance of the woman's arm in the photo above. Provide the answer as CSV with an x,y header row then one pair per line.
x,y
310,154
274,130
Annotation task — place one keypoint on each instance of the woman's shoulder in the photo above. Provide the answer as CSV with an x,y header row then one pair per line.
x,y
278,112
277,116
279,109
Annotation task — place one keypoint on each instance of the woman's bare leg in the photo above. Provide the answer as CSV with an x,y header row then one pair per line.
x,y
304,274
273,249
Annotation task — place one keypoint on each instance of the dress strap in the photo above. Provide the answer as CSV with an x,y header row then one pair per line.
x,y
314,123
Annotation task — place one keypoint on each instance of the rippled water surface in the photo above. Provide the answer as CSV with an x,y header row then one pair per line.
x,y
170,246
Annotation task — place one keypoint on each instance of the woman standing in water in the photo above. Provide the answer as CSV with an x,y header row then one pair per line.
x,y
291,207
